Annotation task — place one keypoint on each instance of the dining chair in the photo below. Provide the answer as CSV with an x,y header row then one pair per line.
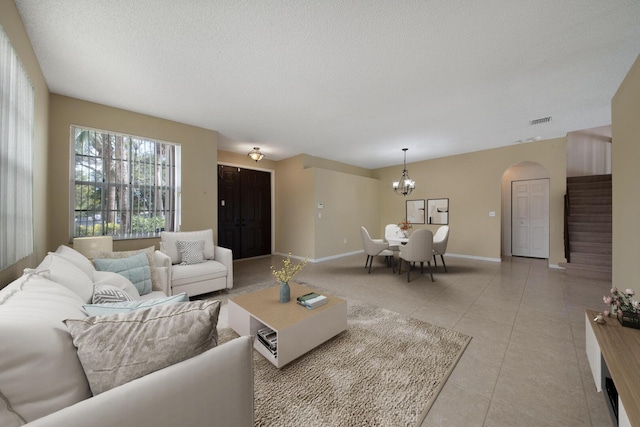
x,y
393,234
419,248
440,241
373,248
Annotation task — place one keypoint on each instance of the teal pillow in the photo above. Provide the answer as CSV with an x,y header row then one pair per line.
x,y
135,268
129,306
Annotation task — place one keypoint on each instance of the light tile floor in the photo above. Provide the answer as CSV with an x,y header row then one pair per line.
x,y
526,364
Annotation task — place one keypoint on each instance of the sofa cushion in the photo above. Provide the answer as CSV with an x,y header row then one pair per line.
x,y
150,251
60,270
170,247
187,274
135,268
39,369
77,259
129,306
191,252
119,348
117,280
105,293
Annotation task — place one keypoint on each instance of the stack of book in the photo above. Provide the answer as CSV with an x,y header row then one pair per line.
x,y
269,338
312,300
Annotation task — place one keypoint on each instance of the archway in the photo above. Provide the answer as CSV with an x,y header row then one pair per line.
x,y
517,172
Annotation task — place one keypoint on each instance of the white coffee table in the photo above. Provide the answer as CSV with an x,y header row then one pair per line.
x,y
299,329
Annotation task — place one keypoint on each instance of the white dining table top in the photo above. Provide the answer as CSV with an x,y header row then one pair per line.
x,y
397,241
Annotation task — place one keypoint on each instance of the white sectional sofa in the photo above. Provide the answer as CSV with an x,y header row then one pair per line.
x,y
44,377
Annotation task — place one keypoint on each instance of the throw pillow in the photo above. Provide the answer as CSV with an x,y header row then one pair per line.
x,y
129,306
168,244
192,252
119,348
39,369
150,251
103,293
135,268
117,280
57,269
77,259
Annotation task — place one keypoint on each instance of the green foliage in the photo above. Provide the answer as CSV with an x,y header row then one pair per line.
x,y
140,224
96,229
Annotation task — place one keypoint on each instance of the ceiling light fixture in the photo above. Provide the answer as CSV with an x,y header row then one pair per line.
x,y
255,154
406,185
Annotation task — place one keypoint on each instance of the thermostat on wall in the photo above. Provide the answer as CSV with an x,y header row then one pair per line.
x,y
320,206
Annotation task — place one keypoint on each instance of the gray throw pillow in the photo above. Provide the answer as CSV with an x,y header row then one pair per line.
x,y
191,251
119,348
103,293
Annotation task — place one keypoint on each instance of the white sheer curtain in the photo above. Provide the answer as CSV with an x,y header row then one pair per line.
x,y
16,158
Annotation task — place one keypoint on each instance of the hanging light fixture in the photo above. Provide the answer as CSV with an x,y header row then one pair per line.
x,y
406,185
255,154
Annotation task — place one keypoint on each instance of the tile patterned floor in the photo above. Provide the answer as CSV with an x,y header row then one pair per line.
x,y
526,364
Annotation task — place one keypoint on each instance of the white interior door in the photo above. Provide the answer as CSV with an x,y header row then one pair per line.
x,y
530,218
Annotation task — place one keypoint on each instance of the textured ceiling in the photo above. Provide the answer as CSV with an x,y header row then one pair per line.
x,y
352,81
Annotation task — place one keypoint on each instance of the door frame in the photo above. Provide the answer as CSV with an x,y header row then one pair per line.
x,y
272,174
548,217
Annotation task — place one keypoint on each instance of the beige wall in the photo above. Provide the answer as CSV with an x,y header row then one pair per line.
x,y
473,182
13,27
349,197
349,202
199,159
294,208
625,111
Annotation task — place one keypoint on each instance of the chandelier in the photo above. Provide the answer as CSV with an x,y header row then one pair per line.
x,y
406,185
255,154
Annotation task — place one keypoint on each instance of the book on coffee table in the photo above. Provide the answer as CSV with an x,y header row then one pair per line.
x,y
312,300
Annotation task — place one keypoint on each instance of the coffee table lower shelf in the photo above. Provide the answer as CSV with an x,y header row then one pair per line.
x,y
298,329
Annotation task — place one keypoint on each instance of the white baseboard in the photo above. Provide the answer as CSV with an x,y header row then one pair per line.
x,y
448,254
480,258
314,260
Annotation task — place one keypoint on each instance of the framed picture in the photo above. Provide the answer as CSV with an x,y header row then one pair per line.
x,y
438,211
415,211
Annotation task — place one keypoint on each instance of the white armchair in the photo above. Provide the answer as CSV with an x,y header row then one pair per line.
x,y
196,267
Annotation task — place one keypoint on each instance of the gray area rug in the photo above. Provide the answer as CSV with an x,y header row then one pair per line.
x,y
384,370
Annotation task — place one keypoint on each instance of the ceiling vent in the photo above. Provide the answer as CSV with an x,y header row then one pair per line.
x,y
542,120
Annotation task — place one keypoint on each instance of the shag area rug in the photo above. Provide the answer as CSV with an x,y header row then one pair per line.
x,y
384,370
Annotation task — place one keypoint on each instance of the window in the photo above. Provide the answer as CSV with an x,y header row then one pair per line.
x,y
125,186
16,157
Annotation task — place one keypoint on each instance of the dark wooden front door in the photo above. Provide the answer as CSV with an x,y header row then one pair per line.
x,y
244,211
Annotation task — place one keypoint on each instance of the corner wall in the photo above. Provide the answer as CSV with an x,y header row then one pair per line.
x,y
349,197
625,127
12,24
199,163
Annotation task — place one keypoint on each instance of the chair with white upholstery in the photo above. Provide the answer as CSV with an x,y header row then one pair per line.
x,y
373,248
440,241
197,266
392,233
419,248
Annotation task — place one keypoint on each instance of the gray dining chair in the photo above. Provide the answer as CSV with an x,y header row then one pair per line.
x,y
419,248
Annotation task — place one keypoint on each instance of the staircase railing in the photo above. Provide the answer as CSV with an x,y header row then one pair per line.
x,y
567,212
